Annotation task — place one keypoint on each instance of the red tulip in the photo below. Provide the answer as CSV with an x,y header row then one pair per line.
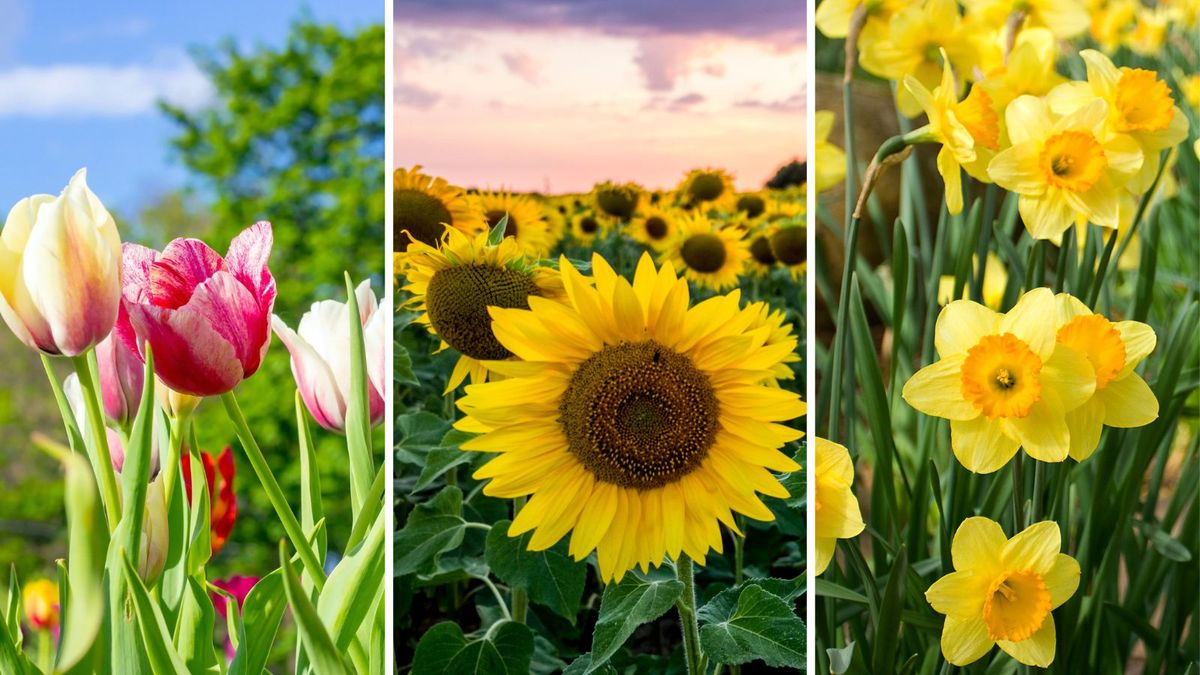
x,y
237,585
207,318
222,500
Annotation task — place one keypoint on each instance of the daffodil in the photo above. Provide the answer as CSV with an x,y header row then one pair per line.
x,y
831,161
967,130
1122,398
1066,18
1064,169
1003,382
1002,592
995,282
1028,69
1139,106
833,16
838,515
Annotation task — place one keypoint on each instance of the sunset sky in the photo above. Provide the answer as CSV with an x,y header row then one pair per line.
x,y
556,96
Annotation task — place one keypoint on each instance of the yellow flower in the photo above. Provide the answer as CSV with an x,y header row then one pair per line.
x,y
1066,170
762,259
1139,105
911,44
707,189
968,131
1112,21
40,600
837,512
526,220
1149,33
618,201
1002,381
711,256
1029,69
654,227
833,16
1190,85
453,286
1122,398
831,161
751,204
587,226
789,245
636,422
1067,18
778,332
995,281
1002,592
423,206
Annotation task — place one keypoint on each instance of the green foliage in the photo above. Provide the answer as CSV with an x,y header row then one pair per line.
x,y
506,649
550,576
748,622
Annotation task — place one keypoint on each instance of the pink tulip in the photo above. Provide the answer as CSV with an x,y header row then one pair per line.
x,y
121,378
206,317
320,350
239,587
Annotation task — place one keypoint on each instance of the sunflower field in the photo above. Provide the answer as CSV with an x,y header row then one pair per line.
x,y
598,429
1008,319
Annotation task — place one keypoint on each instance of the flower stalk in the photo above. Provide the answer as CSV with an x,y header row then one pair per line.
x,y
685,573
84,367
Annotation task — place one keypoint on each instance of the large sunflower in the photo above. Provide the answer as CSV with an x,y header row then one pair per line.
x,y
654,227
453,286
526,220
636,422
709,255
424,205
708,189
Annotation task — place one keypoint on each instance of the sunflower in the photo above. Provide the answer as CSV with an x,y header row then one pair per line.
x,y
762,259
424,205
778,332
634,422
617,200
708,189
654,227
789,245
526,220
455,283
587,225
709,255
753,204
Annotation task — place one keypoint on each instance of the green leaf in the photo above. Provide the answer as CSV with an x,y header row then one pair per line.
x,y
626,605
505,649
156,640
12,660
433,528
12,612
840,659
312,508
322,653
550,576
353,587
443,458
887,624
402,368
583,665
1168,546
261,613
194,628
829,589
496,234
358,417
746,623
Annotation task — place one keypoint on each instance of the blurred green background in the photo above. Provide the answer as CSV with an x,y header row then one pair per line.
x,y
294,134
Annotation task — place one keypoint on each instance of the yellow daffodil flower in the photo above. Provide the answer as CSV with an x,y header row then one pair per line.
x,y
1112,21
831,161
1149,33
968,131
1002,592
1139,106
1029,69
995,281
838,515
833,16
1122,398
1002,381
1067,18
1066,169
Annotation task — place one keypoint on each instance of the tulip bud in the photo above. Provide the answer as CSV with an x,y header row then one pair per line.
x,y
176,405
320,352
121,378
60,270
153,554
116,445
40,598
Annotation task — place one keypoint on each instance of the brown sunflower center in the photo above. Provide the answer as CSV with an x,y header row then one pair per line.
x,y
639,415
760,248
619,202
703,252
494,216
457,302
706,187
420,214
589,225
790,245
656,227
753,205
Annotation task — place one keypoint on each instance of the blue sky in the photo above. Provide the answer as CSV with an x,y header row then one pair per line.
x,y
78,82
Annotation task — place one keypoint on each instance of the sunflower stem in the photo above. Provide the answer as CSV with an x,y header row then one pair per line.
x,y
103,462
685,572
520,597
259,463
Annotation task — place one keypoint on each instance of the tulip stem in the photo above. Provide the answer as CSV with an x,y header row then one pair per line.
x,y
179,426
259,463
46,650
103,464
685,572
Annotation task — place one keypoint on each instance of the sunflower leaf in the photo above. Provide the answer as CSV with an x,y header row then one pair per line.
x,y
506,649
433,528
551,578
625,606
748,623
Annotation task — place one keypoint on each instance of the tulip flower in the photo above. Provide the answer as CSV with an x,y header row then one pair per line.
x,y
206,317
60,270
239,587
121,378
40,599
321,351
218,474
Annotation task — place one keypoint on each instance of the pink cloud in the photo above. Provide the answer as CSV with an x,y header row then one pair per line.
x,y
664,59
522,65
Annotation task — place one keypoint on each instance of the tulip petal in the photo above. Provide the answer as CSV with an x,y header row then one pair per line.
x,y
247,259
1038,650
183,265
234,313
189,355
318,387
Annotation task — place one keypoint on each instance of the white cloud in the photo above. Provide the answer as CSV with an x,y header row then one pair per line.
x,y
92,90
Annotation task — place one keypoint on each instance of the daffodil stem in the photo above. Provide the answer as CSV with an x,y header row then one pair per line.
x,y
291,526
1102,270
685,572
520,597
1039,478
103,464
1018,493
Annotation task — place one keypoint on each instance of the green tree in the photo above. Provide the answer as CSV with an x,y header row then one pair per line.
x,y
295,135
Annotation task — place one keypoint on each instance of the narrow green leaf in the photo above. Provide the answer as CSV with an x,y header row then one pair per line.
x,y
12,611
747,623
506,649
433,528
319,647
626,605
156,640
194,627
829,589
358,416
261,613
353,588
550,576
887,624
12,660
